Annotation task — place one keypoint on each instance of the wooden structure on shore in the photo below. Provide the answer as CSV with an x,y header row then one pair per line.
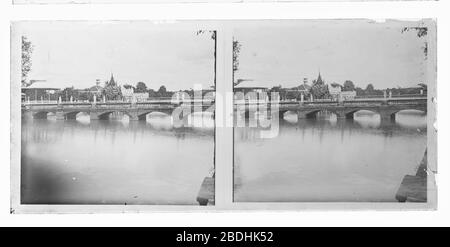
x,y
207,191
414,188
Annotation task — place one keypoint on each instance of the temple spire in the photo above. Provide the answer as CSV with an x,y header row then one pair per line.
x,y
112,82
319,78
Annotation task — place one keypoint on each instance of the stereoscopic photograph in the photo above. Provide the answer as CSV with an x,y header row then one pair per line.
x,y
123,112
334,111
114,113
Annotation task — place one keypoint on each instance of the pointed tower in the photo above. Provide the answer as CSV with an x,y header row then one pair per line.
x,y
319,79
112,82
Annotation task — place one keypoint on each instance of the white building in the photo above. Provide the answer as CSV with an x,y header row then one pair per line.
x,y
347,95
130,96
251,91
335,90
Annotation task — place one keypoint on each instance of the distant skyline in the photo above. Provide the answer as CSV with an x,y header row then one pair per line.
x,y
77,53
283,53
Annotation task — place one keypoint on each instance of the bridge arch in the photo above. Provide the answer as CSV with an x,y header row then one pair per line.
x,y
386,114
412,108
72,114
393,114
41,114
416,110
350,114
143,115
283,113
105,115
311,113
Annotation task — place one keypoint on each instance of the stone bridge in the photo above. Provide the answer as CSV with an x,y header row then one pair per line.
x,y
102,111
385,107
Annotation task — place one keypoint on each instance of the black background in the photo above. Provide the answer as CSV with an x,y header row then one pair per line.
x,y
167,236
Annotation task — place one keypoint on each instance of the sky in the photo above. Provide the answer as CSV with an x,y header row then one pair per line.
x,y
77,53
283,53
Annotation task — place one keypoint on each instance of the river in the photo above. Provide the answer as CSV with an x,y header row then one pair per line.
x,y
115,161
328,160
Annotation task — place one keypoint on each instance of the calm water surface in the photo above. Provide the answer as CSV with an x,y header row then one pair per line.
x,y
329,160
115,162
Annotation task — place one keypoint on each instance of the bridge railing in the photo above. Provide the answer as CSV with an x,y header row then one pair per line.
x,y
349,102
391,96
162,103
166,102
40,102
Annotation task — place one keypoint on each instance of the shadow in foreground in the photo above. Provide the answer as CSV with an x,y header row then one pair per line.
x,y
207,192
414,188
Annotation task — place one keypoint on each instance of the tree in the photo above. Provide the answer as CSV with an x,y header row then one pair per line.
x,y
152,93
349,86
334,84
421,32
294,94
162,91
360,91
127,86
319,90
141,87
236,51
84,95
370,88
282,93
67,93
27,50
111,91
213,37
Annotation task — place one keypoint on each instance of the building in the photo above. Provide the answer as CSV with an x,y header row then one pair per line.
x,y
127,92
111,82
129,95
296,93
140,97
303,88
250,87
336,93
112,91
97,89
251,90
335,90
319,79
39,91
347,95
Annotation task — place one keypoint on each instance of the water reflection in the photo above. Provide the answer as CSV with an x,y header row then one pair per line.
x,y
325,159
115,162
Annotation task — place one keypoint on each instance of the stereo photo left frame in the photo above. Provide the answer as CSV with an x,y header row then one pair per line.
x,y
112,114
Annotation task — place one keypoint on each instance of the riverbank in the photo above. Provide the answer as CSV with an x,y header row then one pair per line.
x,y
414,188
